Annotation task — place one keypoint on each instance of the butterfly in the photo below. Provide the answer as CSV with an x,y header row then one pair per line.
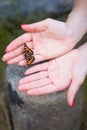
x,y
28,54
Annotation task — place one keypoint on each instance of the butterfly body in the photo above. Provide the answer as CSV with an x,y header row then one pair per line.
x,y
28,54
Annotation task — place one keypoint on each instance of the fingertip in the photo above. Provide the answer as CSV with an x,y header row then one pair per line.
x,y
30,93
20,87
22,63
7,49
9,62
70,98
19,82
4,57
23,26
73,104
26,73
27,92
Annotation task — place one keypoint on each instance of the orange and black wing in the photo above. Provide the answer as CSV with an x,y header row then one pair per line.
x,y
29,61
27,49
28,55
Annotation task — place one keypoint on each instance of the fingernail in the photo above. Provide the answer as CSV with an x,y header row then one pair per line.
x,y
24,24
73,104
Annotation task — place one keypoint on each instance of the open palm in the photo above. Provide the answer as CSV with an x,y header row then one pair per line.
x,y
48,39
56,75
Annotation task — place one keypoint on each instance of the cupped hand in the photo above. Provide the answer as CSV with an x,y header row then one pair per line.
x,y
65,72
48,39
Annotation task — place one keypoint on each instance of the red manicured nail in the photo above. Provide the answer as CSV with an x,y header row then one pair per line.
x,y
24,24
73,104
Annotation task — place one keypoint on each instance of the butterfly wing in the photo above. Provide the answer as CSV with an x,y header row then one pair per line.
x,y
30,60
28,55
27,49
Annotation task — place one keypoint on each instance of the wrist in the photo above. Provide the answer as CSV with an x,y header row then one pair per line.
x,y
80,16
77,23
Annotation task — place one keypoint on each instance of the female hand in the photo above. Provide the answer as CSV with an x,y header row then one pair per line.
x,y
65,72
48,39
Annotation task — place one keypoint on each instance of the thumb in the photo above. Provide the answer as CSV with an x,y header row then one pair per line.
x,y
73,89
34,27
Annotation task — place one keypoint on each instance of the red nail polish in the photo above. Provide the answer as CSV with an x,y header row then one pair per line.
x,y
73,104
23,24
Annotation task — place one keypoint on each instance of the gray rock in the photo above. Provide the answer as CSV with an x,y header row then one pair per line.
x,y
48,112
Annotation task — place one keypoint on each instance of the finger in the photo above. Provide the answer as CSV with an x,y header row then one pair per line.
x,y
37,68
12,58
47,89
13,54
38,58
16,60
20,58
35,27
33,77
26,37
73,89
30,44
34,84
16,52
22,62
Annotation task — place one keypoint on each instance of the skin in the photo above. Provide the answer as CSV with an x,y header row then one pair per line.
x,y
56,75
49,38
52,39
46,44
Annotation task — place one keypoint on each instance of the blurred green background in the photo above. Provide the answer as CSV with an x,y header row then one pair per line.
x,y
10,28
